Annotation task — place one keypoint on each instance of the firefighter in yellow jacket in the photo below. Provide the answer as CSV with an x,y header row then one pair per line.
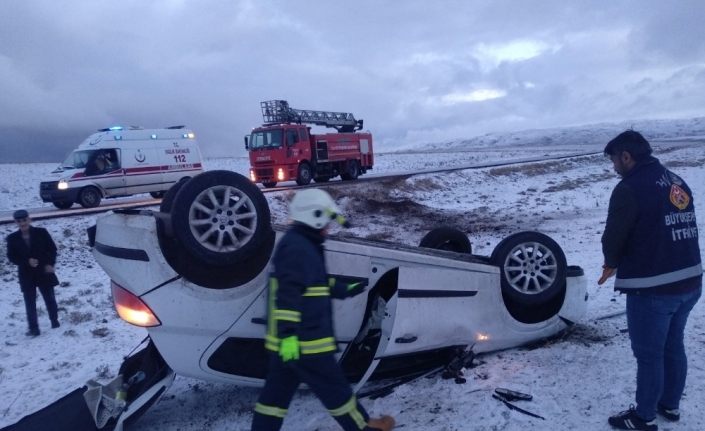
x,y
300,334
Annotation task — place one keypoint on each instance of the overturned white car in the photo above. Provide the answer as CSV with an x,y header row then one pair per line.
x,y
195,274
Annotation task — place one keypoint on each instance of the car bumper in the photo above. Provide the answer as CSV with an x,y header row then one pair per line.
x,y
68,195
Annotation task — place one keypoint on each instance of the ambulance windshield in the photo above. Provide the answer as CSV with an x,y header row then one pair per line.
x,y
77,159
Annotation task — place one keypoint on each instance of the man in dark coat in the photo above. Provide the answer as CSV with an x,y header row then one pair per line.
x,y
34,253
651,245
300,322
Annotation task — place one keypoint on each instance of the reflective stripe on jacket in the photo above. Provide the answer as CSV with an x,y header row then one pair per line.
x,y
299,298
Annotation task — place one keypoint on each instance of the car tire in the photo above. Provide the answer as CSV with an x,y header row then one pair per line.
x,y
447,238
532,268
89,197
221,218
216,276
304,175
269,184
63,205
168,198
157,195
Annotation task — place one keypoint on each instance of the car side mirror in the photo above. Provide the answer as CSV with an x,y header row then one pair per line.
x,y
247,146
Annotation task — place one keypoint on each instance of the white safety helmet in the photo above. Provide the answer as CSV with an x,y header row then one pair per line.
x,y
315,208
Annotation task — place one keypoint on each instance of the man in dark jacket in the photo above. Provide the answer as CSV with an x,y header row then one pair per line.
x,y
34,253
300,322
650,243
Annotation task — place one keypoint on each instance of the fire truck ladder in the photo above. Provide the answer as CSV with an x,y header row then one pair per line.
x,y
278,111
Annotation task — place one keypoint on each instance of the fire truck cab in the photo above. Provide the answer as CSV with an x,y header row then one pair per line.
x,y
284,149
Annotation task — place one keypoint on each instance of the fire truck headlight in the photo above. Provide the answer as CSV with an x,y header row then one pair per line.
x,y
63,185
280,174
253,178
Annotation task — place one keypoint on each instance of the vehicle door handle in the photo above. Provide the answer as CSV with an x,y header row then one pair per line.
x,y
406,339
259,320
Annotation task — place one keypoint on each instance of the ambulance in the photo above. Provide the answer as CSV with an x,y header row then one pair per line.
x,y
123,161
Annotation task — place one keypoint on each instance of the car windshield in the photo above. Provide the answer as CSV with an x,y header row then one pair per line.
x,y
77,159
266,139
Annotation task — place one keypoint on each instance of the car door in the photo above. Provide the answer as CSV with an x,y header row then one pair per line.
x,y
433,308
417,310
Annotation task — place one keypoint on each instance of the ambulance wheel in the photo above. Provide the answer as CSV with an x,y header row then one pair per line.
x,y
447,238
269,184
63,205
532,268
157,195
89,197
221,218
304,176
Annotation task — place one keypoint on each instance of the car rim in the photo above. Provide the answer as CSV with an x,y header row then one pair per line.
x,y
530,268
222,218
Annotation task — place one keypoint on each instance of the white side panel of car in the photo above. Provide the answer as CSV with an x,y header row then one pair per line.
x,y
132,232
575,305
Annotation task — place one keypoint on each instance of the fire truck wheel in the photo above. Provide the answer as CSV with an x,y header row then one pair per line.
x,y
89,197
322,179
221,218
269,184
63,205
446,238
352,170
168,199
304,176
532,268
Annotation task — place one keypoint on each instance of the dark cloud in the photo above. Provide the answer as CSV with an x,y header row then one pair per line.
x,y
413,70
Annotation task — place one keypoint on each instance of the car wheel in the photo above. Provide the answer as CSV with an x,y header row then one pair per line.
x,y
322,179
89,197
304,176
447,238
157,195
532,267
269,184
221,218
63,205
168,199
216,276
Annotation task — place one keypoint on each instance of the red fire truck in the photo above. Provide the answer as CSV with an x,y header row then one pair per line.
x,y
284,148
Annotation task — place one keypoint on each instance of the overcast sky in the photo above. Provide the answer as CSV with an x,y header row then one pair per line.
x,y
415,71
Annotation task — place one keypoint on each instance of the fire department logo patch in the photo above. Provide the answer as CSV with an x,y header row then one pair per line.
x,y
679,198
675,179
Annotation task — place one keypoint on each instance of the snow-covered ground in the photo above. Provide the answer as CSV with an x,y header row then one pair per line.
x,y
19,183
577,380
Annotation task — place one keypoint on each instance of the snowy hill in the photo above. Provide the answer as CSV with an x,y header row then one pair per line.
x,y
577,136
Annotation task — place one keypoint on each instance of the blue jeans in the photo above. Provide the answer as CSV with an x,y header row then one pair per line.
x,y
656,325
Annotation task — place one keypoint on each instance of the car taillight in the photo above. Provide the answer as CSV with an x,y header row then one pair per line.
x,y
131,309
